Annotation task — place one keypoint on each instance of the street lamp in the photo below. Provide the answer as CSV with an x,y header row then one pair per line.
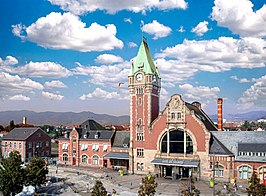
x,y
213,166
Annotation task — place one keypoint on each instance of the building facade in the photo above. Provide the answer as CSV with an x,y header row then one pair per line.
x,y
93,145
180,141
29,142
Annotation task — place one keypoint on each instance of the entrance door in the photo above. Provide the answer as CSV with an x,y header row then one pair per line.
x,y
105,163
184,172
168,171
74,161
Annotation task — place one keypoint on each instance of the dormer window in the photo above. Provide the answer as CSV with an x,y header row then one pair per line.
x,y
96,136
85,136
172,116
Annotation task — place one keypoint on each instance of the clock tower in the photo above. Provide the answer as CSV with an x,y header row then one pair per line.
x,y
144,85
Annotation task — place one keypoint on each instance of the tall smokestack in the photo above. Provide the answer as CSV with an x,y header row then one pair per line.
x,y
220,114
24,121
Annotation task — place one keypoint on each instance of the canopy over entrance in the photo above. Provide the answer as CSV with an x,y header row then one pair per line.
x,y
175,162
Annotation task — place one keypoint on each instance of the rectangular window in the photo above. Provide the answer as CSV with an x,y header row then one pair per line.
x,y
19,145
47,152
29,145
84,147
179,115
105,146
15,145
47,143
140,166
139,136
172,116
10,144
140,152
64,146
29,154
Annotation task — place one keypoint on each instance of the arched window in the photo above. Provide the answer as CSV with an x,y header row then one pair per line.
x,y
95,160
65,157
84,158
177,141
172,115
74,139
244,172
219,172
262,173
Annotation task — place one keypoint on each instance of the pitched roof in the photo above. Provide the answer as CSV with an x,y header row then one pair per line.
x,y
252,147
97,135
232,139
144,60
20,133
217,148
202,116
121,139
91,125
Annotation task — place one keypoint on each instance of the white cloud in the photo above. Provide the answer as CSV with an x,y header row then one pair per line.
x,y
108,59
199,93
244,80
54,84
42,69
218,55
67,31
102,94
156,29
132,45
19,97
181,29
105,75
201,28
81,7
254,96
52,96
240,18
11,85
128,20
10,60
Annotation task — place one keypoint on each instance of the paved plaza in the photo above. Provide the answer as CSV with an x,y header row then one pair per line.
x,y
78,181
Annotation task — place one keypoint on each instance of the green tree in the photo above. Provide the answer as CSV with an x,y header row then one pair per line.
x,y
10,126
11,174
255,187
98,189
148,185
190,189
35,172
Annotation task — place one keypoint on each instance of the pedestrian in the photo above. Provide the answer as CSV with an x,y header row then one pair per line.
x,y
113,192
235,186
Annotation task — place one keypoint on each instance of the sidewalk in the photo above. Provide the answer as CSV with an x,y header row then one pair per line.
x,y
82,177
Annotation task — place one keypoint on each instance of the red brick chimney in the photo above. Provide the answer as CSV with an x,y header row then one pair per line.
x,y
220,114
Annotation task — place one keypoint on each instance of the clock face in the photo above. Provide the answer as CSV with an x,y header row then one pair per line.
x,y
139,77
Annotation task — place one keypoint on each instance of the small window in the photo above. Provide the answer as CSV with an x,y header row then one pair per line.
x,y
19,145
84,159
47,143
65,157
10,144
172,116
179,115
140,152
140,166
140,136
105,147
74,139
140,101
29,145
15,144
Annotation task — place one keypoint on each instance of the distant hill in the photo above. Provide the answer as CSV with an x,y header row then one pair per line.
x,y
60,118
249,116
72,118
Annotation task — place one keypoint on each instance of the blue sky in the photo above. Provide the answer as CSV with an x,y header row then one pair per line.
x,y
70,55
